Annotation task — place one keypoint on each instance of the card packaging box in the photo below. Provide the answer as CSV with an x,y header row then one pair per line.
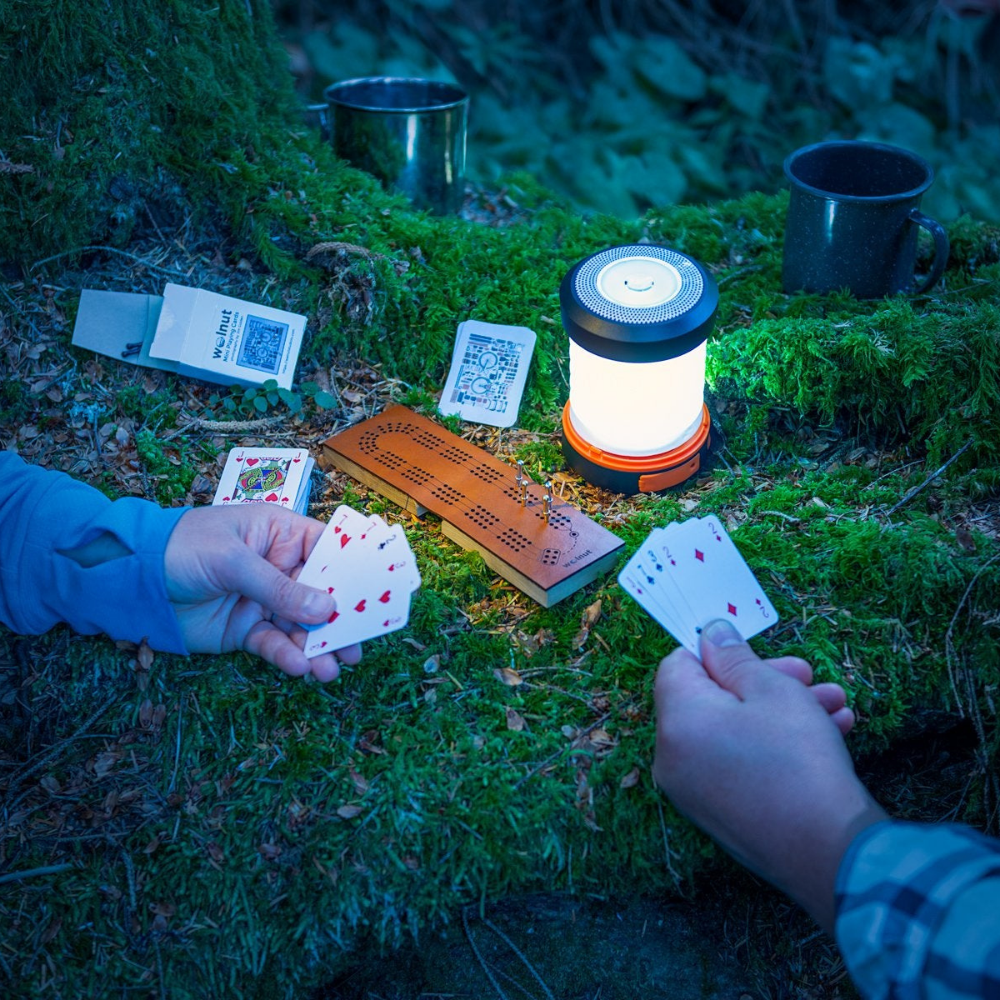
x,y
193,332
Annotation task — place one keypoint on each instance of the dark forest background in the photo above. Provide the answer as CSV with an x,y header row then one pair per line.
x,y
631,104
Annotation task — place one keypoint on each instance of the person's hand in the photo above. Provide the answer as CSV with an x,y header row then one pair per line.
x,y
754,754
229,574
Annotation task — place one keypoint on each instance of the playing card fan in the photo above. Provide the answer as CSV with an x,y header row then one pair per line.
x,y
689,574
638,318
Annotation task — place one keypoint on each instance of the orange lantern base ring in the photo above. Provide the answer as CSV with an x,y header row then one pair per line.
x,y
637,473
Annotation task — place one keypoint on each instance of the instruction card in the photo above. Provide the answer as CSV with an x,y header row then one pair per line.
x,y
193,332
489,367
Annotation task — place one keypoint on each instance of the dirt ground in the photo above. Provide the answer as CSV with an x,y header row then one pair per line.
x,y
553,946
733,938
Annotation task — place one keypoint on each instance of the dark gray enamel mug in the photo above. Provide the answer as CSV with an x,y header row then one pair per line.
x,y
853,219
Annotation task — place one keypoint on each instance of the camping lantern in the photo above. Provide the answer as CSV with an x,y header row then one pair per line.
x,y
638,318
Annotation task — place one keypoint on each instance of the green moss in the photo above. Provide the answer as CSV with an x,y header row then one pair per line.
x,y
172,475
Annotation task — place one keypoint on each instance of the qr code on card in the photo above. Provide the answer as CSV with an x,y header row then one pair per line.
x,y
263,344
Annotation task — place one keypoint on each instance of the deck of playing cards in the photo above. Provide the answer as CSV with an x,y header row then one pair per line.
x,y
266,475
690,573
370,570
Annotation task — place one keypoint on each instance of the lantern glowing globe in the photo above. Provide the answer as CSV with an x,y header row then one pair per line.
x,y
638,318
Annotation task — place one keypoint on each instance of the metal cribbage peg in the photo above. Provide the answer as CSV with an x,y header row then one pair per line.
x,y
547,500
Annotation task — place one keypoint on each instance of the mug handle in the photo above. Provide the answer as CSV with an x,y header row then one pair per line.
x,y
941,248
322,115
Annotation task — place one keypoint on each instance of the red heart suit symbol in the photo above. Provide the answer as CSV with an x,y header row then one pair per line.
x,y
333,617
360,606
385,597
252,461
344,540
271,497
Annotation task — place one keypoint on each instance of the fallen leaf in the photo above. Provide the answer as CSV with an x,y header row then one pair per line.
x,y
508,676
601,737
359,780
145,656
104,761
153,846
514,720
270,852
630,780
964,538
349,812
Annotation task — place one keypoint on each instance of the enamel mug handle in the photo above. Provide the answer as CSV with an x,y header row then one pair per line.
x,y
941,248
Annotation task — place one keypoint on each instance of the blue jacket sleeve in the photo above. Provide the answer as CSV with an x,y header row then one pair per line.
x,y
44,515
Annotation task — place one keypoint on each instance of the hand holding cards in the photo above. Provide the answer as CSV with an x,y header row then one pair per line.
x,y
689,573
371,572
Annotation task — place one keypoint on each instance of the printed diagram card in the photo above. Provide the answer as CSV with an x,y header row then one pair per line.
x,y
266,475
690,573
489,367
371,572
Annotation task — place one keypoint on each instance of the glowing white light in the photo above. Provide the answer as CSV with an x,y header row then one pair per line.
x,y
636,409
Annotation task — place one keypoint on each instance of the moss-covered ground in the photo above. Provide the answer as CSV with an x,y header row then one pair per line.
x,y
205,827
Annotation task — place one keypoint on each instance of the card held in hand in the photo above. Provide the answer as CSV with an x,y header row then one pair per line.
x,y
371,572
690,573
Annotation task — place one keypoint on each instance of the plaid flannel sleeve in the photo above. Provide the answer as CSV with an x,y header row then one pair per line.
x,y
918,912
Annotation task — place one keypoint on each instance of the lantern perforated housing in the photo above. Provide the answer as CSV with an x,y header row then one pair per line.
x,y
638,318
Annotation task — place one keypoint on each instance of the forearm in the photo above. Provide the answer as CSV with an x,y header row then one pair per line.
x,y
918,912
68,554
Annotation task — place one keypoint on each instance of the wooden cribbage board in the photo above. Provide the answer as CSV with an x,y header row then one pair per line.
x,y
423,467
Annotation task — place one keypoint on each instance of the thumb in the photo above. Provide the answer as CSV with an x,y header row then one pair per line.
x,y
257,579
728,660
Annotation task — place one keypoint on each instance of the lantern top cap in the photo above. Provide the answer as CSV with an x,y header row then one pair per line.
x,y
638,302
638,284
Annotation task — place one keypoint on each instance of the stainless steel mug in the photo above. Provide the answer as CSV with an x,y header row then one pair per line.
x,y
408,132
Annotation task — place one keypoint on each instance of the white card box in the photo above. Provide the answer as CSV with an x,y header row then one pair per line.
x,y
202,334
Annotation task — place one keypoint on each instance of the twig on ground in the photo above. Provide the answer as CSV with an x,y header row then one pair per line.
x,y
916,489
479,958
991,782
121,253
555,756
225,426
46,758
27,873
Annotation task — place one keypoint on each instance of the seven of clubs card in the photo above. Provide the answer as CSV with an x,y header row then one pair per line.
x,y
369,569
689,573
266,475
